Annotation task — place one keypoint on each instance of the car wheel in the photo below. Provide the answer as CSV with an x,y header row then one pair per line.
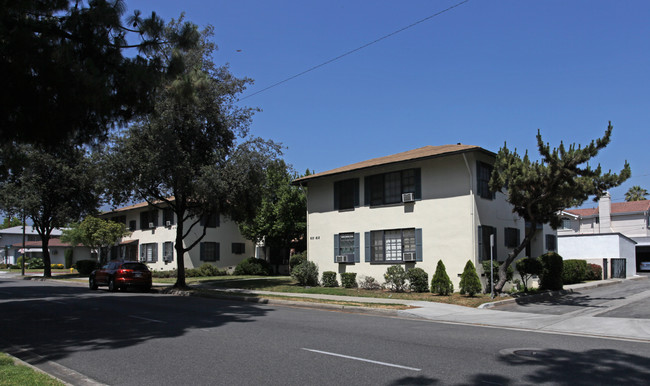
x,y
92,283
111,285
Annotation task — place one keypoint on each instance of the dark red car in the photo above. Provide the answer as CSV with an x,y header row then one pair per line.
x,y
121,274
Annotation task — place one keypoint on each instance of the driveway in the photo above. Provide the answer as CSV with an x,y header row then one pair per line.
x,y
629,299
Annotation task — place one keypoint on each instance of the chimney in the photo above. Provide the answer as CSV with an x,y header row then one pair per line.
x,y
605,213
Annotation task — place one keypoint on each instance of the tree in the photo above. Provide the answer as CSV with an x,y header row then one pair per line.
x,y
636,193
95,233
52,190
527,268
191,154
65,76
470,283
539,190
10,221
440,283
281,219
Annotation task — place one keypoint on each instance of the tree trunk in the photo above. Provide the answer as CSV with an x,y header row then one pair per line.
x,y
47,262
180,252
503,268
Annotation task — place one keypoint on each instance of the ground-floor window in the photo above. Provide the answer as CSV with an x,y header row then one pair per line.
x,y
168,251
394,245
484,233
209,251
346,247
238,248
149,252
551,243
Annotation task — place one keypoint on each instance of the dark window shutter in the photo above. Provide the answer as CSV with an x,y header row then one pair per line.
x,y
367,246
418,244
202,253
217,247
418,184
366,191
357,252
154,253
336,246
142,255
480,242
336,195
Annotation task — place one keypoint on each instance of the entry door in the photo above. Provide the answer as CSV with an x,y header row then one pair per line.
x,y
618,268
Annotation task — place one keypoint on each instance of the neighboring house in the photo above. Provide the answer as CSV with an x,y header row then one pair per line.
x,y
612,231
57,251
11,240
153,234
413,208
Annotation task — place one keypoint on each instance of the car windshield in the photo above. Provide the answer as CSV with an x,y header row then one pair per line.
x,y
135,266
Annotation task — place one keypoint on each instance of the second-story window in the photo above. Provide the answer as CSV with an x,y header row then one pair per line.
x,y
483,174
346,194
387,188
149,219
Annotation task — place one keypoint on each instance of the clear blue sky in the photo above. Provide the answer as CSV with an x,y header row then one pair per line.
x,y
484,73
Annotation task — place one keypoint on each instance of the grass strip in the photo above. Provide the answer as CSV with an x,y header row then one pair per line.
x,y
17,374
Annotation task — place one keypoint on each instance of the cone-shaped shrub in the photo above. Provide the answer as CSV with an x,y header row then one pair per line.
x,y
470,284
440,284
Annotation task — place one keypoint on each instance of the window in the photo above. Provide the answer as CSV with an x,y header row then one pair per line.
x,y
210,221
132,225
209,251
511,236
483,174
149,252
238,248
347,244
387,188
566,223
168,251
149,216
484,232
391,245
346,194
119,219
168,215
551,243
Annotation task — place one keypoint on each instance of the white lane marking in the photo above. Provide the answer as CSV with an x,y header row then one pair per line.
x,y
147,319
362,359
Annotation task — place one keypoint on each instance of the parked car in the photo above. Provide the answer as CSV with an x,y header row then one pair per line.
x,y
121,274
645,266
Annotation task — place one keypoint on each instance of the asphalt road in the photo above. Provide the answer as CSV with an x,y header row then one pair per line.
x,y
629,299
150,339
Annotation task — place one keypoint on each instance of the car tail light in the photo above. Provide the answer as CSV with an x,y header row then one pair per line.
x,y
125,271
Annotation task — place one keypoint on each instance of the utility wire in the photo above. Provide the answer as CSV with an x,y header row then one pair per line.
x,y
356,49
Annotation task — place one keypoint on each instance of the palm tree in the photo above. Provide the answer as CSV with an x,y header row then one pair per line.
x,y
636,193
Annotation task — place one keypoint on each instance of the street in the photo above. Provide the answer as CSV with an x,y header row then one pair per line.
x,y
144,339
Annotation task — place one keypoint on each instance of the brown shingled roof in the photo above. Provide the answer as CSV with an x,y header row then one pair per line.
x,y
617,207
420,153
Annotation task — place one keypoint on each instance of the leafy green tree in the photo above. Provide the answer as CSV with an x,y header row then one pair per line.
x,y
527,268
470,283
95,233
636,193
10,221
52,190
65,75
440,283
190,154
281,220
539,190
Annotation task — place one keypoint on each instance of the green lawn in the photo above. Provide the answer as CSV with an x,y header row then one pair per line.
x,y
13,374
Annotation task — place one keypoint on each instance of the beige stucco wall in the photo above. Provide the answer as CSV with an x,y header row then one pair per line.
x,y
448,214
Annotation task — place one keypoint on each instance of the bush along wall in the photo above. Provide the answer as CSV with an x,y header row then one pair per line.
x,y
574,271
349,279
551,276
329,279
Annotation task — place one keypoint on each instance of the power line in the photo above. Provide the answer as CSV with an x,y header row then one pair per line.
x,y
357,49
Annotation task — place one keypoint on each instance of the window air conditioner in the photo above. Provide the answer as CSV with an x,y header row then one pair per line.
x,y
343,259
408,197
151,225
168,224
408,256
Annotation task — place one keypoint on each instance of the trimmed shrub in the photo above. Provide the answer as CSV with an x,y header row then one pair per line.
x,y
441,284
470,284
418,280
594,272
68,257
329,279
369,283
527,268
4,266
297,259
306,274
550,278
164,274
35,263
574,271
349,279
192,272
208,269
253,266
495,265
85,267
395,278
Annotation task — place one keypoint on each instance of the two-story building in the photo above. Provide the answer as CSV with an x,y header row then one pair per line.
x,y
413,208
613,235
153,234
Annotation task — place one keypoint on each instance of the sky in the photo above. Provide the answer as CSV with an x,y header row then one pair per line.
x,y
484,73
